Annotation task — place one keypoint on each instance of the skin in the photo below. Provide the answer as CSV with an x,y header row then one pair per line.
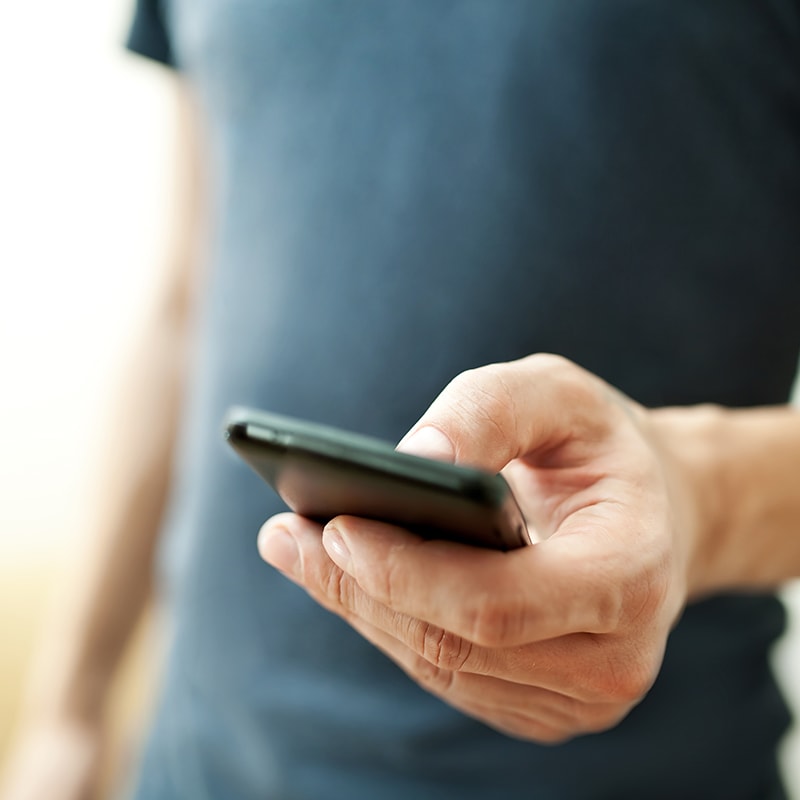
x,y
635,513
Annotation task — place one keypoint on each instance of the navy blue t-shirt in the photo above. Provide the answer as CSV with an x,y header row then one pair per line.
x,y
401,191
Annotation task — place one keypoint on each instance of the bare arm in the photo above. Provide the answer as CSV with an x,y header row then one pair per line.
x,y
744,470
100,604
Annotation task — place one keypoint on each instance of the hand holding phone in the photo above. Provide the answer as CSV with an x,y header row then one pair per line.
x,y
581,619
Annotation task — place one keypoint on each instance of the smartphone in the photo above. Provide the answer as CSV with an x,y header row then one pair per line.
x,y
322,472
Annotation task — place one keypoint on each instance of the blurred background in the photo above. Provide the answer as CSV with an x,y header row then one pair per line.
x,y
84,198
84,149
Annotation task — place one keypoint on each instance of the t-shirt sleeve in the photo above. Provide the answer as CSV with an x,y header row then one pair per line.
x,y
148,34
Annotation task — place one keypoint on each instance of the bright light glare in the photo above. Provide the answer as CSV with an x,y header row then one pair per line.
x,y
82,155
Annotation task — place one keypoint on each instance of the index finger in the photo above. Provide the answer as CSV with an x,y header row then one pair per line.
x,y
568,584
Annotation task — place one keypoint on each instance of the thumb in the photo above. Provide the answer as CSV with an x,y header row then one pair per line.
x,y
487,417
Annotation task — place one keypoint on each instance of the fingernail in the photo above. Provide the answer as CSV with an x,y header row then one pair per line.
x,y
279,548
429,442
336,548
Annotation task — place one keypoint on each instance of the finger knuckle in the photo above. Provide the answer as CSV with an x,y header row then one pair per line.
x,y
483,396
578,717
493,623
648,603
338,590
636,601
625,679
608,603
558,368
577,389
441,648
435,679
551,363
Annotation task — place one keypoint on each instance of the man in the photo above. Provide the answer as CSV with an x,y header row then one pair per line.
x,y
402,192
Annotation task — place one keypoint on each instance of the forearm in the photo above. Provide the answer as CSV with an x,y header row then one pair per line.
x,y
744,468
101,599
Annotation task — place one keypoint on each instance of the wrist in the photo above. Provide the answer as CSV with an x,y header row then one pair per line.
x,y
691,442
739,472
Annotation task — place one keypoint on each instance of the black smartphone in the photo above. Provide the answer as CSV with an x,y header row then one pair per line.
x,y
322,472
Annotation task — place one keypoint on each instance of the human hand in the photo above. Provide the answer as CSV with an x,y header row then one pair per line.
x,y
54,760
548,641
